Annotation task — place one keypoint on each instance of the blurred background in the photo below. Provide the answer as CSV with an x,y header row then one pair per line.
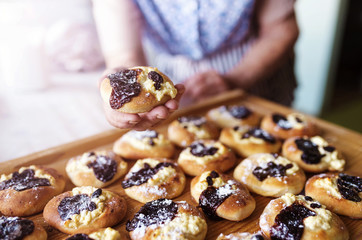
x,y
50,61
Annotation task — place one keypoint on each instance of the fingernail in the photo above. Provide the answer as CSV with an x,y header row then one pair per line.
x,y
159,117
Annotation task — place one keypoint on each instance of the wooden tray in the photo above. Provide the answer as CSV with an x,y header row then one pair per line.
x,y
349,142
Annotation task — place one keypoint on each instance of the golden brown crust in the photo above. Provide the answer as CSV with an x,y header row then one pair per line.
x,y
182,137
310,129
237,207
112,234
169,189
221,117
144,102
336,204
114,210
221,163
338,230
271,186
38,234
33,200
246,147
81,177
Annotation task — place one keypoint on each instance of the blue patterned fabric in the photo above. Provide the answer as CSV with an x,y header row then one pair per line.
x,y
196,28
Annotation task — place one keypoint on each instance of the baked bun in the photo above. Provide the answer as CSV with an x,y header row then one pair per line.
x,y
247,142
137,90
99,234
313,154
97,169
143,144
165,219
205,155
84,209
220,196
28,190
300,217
230,116
150,179
20,228
340,193
187,129
242,236
286,126
270,175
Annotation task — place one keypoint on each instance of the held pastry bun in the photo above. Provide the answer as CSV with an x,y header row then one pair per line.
x,y
270,175
313,154
166,220
187,129
220,196
204,155
84,209
27,191
247,142
300,217
99,234
230,116
97,169
286,126
340,193
20,228
137,90
150,179
143,144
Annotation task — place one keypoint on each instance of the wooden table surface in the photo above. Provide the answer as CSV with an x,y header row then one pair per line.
x,y
347,141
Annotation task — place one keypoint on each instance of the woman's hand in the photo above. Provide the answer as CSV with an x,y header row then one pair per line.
x,y
204,85
141,121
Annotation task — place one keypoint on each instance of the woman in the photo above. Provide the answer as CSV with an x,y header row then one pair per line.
x,y
208,45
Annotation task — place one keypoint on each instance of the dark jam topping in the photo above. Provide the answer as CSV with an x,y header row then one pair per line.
x,y
311,154
142,176
14,228
259,133
104,168
124,87
70,206
315,205
195,120
257,237
308,198
349,187
157,78
151,134
80,236
211,198
288,223
281,121
154,212
198,149
272,170
23,181
239,112
329,148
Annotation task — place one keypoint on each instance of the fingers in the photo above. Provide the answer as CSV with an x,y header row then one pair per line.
x,y
173,104
121,120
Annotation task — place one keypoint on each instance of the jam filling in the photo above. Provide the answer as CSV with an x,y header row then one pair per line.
x,y
349,187
80,236
211,198
259,133
157,78
289,223
154,212
14,228
257,237
144,174
70,206
151,134
124,87
104,168
198,149
195,120
282,121
311,154
272,170
23,181
239,112
329,148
